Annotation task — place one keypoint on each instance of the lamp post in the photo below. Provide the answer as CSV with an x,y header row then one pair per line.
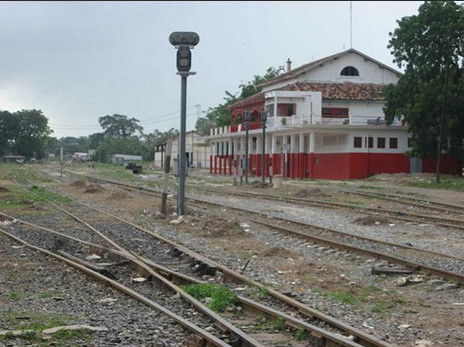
x,y
263,117
246,119
183,42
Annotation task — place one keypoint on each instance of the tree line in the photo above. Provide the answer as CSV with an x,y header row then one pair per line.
x,y
27,133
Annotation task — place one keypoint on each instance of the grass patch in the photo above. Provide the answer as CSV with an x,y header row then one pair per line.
x,y
277,324
301,334
15,296
37,322
43,195
260,292
446,183
47,295
364,295
221,297
246,255
64,335
344,297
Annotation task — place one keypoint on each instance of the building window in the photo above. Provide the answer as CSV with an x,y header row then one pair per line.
x,y
370,142
286,110
381,142
349,71
358,142
393,142
334,112
254,116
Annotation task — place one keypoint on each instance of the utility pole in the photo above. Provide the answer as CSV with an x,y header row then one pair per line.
x,y
263,121
183,42
246,118
61,161
442,125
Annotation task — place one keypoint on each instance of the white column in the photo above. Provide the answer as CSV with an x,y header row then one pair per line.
x,y
302,149
259,144
273,144
293,143
275,111
312,142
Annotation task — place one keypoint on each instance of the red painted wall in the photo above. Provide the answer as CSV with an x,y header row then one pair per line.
x,y
357,165
331,166
387,163
448,165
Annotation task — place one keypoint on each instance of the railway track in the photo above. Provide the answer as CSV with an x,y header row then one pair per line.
x,y
412,258
393,214
341,333
194,329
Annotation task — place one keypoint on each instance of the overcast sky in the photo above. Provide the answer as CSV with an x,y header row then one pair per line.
x,y
78,61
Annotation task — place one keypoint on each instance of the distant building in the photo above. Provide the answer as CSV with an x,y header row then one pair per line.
x,y
14,159
123,159
325,120
80,157
196,151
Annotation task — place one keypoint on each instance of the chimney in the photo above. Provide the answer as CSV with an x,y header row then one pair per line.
x,y
289,65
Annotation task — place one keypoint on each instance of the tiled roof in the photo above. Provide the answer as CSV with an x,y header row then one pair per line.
x,y
251,99
330,91
340,91
314,64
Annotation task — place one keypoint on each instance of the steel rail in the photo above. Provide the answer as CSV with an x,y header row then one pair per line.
x,y
407,200
458,224
364,338
246,339
188,325
248,304
380,255
315,202
397,260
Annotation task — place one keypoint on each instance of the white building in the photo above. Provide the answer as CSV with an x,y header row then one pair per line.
x,y
325,120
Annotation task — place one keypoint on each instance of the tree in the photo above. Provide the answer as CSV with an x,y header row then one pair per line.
x,y
220,115
8,127
119,126
95,140
159,137
430,93
31,133
115,145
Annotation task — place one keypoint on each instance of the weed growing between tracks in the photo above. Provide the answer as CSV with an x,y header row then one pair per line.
x,y
221,297
33,323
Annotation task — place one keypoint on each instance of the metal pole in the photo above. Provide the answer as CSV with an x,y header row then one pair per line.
x,y
61,161
246,153
166,177
183,118
264,152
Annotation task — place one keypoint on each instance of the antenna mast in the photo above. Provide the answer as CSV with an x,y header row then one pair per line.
x,y
351,24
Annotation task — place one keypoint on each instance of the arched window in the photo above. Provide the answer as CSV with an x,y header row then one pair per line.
x,y
254,116
239,119
349,71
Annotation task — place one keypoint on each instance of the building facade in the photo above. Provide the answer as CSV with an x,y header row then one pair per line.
x,y
325,120
197,151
